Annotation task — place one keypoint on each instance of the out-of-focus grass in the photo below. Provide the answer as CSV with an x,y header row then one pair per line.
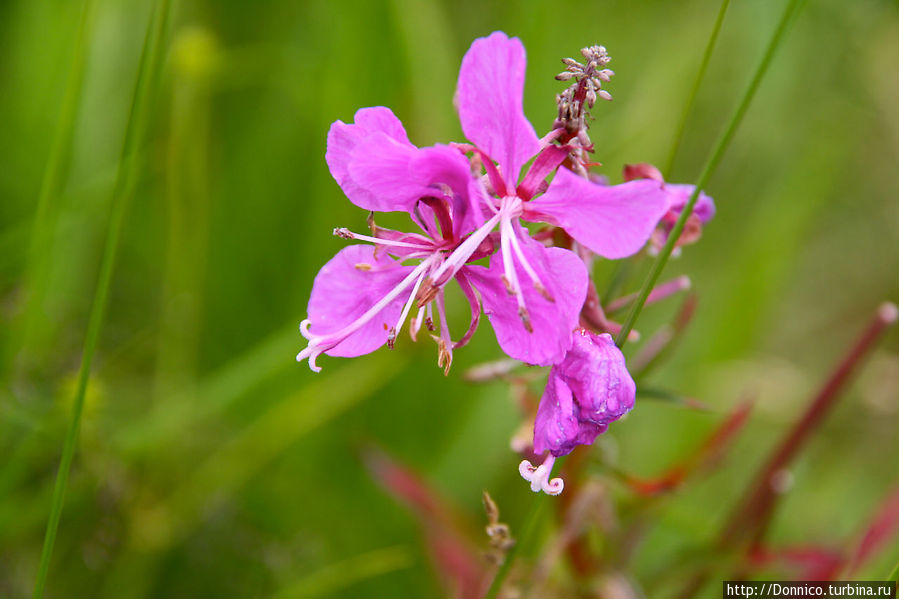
x,y
201,431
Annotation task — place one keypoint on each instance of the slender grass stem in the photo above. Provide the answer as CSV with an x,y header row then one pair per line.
x,y
700,75
147,77
47,211
530,526
894,575
711,164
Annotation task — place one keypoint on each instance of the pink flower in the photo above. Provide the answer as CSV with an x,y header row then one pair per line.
x,y
363,296
585,392
678,194
532,294
613,221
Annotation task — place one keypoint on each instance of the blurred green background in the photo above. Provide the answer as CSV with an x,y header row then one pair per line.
x,y
210,464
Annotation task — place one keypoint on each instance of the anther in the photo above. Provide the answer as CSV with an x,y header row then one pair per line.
x,y
525,318
542,291
426,292
391,338
343,233
508,285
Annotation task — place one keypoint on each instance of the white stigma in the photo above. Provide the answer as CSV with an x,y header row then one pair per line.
x,y
539,476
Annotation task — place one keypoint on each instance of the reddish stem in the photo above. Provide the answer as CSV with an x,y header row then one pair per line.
x,y
751,516
756,511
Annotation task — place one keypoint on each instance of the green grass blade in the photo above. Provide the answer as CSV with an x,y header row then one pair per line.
x,y
127,175
710,166
700,75
176,413
336,577
526,537
47,211
281,425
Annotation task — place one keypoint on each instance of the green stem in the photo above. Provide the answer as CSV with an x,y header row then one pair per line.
x,y
711,164
530,526
47,211
679,134
894,575
125,182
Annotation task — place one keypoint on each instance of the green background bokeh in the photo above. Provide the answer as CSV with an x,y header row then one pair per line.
x,y
212,465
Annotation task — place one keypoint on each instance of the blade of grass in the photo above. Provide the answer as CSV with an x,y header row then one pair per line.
x,y
126,178
711,164
527,535
178,412
338,576
47,212
679,133
235,462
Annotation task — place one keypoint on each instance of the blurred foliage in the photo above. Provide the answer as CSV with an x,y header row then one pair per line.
x,y
212,465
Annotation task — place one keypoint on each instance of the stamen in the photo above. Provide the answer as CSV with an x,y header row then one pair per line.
x,y
445,343
406,308
415,327
538,284
510,277
345,233
427,292
461,254
320,344
539,476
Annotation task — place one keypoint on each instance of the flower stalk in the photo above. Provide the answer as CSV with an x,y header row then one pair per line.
x,y
711,164
126,179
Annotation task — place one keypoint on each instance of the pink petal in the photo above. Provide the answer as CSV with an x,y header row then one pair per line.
x,y
342,293
557,428
381,168
613,221
679,193
595,371
546,162
565,278
443,165
344,138
489,100
396,176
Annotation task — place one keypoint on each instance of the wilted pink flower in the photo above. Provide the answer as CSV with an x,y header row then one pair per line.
x,y
678,195
586,391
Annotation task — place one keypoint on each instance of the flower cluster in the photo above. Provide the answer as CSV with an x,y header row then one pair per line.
x,y
470,202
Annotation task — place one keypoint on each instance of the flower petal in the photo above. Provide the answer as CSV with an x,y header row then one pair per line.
x,y
565,278
613,221
595,370
557,428
396,176
679,194
342,293
489,100
442,165
343,139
